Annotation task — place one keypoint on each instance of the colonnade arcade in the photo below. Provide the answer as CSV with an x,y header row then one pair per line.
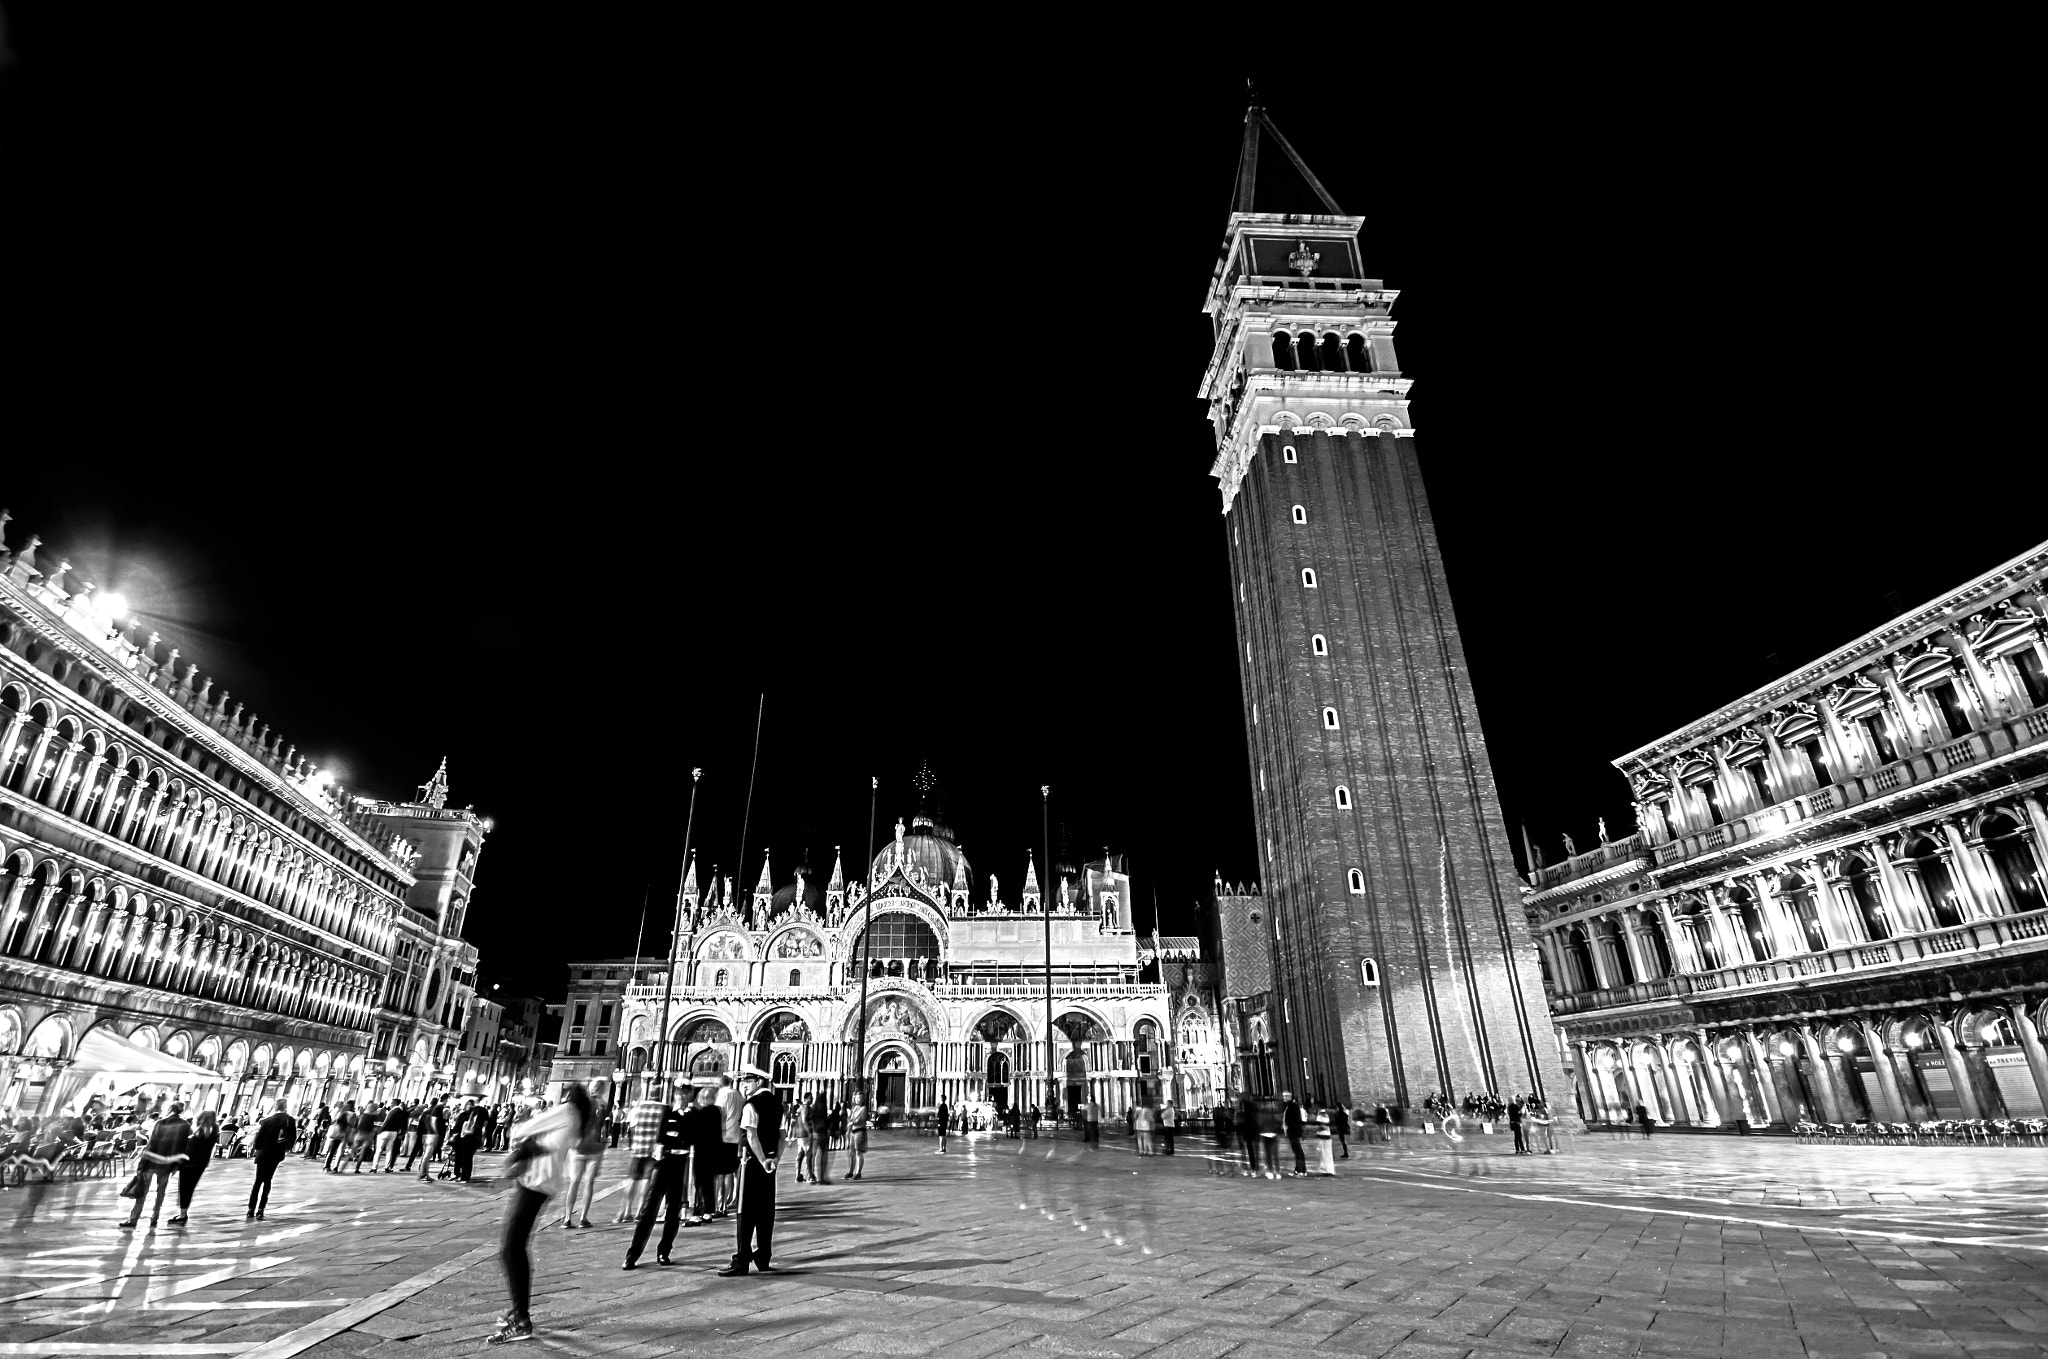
x,y
1985,864
1970,1061
917,1055
255,1069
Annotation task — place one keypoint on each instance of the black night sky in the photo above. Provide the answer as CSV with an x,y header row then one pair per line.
x,y
541,397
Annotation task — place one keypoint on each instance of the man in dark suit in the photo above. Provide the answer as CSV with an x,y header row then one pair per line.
x,y
274,1139
671,1179
760,1141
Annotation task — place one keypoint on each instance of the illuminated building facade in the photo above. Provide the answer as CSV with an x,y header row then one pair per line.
x,y
1401,962
172,871
956,987
1832,909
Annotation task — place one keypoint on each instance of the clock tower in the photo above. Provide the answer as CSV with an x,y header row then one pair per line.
x,y
1401,960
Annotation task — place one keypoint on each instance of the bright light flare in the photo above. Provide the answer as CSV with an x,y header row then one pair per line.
x,y
110,605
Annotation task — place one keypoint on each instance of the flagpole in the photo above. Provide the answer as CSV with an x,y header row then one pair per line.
x,y
1052,1090
860,1051
668,986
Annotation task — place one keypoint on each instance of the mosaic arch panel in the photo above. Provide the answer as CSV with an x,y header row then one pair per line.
x,y
798,944
725,945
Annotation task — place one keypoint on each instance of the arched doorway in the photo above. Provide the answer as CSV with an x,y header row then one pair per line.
x,y
1082,1033
1002,1035
892,1082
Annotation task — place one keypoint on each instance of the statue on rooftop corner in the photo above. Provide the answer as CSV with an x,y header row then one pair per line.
x,y
24,565
1603,830
1569,848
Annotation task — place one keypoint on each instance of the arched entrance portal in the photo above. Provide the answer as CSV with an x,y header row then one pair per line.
x,y
777,1048
892,1082
1082,1033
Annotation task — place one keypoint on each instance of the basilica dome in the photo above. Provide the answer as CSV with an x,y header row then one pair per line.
x,y
927,844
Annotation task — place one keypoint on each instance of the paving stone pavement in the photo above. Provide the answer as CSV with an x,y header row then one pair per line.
x,y
1674,1246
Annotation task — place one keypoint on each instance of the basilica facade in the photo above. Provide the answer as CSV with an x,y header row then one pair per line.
x,y
1833,908
954,989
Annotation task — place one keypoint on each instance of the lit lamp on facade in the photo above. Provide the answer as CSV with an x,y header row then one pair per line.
x,y
1785,1048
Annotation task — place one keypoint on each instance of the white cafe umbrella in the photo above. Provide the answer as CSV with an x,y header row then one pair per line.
x,y
102,1054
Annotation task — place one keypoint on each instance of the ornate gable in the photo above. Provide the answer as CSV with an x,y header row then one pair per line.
x,y
1930,667
2011,630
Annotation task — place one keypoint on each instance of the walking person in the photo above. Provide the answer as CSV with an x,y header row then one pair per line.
x,y
338,1132
643,1149
468,1137
945,1127
666,1186
1340,1128
797,1127
542,1157
1091,1128
1169,1119
1643,1118
761,1125
198,1155
271,1144
1141,1128
160,1160
316,1132
1324,1137
428,1130
586,1161
1518,1126
388,1135
1251,1129
1291,1118
822,1121
704,1135
729,1107
857,1135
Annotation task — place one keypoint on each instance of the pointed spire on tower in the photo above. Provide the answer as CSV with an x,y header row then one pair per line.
x,y
1256,121
1030,874
837,882
434,792
767,884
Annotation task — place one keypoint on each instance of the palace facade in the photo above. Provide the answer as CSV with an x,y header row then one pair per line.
x,y
955,988
1833,907
173,872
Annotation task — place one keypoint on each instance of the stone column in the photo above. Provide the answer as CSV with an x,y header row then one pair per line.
x,y
1981,898
1588,1090
1676,1109
2030,1044
1785,1084
1726,1108
1832,1109
1896,1110
1838,919
1779,918
1685,955
1624,931
1958,1070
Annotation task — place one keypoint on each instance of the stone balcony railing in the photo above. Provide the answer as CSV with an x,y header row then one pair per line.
x,y
2027,729
943,990
1941,945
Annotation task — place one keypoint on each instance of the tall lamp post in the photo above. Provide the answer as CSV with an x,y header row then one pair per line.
x,y
1052,1089
668,988
867,907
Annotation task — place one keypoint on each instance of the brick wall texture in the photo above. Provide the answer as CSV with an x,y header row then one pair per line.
x,y
1459,1005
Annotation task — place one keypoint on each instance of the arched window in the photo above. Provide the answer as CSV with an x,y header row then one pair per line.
x,y
1305,353
1283,352
1343,798
1869,905
796,976
1330,718
1355,880
1369,971
1287,453
1331,358
723,978
1308,578
1357,355
2013,860
784,1069
1300,515
1319,645
1936,881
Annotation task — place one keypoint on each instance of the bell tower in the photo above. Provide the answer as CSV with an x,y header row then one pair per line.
x,y
1402,962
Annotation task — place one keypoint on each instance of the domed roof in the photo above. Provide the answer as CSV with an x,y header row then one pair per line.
x,y
927,844
814,897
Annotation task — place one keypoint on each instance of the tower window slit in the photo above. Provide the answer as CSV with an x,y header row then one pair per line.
x,y
1287,453
1300,515
1308,577
1355,880
1330,718
1319,645
1305,354
1283,351
1343,798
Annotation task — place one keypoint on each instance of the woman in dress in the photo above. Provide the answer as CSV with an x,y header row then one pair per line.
x,y
198,1155
797,1128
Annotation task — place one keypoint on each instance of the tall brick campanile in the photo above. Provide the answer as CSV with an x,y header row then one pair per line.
x,y
1402,959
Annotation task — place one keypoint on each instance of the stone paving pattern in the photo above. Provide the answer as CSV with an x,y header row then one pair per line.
x,y
1678,1246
